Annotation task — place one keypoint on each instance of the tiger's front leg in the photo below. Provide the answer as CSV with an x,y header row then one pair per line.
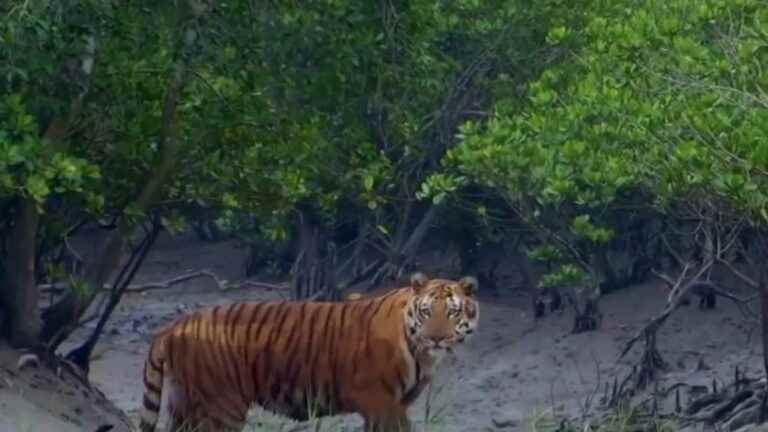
x,y
395,420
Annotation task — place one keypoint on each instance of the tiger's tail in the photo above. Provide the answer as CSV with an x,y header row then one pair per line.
x,y
153,386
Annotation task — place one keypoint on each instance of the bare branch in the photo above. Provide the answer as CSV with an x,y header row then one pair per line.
x,y
151,286
262,285
739,274
221,284
680,288
672,251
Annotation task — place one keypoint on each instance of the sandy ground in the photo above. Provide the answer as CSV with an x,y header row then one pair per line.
x,y
37,399
514,368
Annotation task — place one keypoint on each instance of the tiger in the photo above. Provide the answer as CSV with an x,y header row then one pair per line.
x,y
299,359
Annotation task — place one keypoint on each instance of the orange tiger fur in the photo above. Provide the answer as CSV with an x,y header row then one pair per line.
x,y
370,356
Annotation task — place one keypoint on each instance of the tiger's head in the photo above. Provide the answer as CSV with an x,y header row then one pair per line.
x,y
441,313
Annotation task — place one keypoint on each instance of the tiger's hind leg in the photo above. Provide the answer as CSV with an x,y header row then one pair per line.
x,y
190,423
193,412
208,417
177,421
179,410
199,421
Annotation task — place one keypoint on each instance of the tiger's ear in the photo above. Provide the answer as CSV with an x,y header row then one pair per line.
x,y
418,281
468,285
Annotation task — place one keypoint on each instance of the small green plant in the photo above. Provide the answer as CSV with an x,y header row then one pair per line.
x,y
265,421
435,406
80,288
624,420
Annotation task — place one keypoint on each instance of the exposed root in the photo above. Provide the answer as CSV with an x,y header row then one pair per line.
x,y
740,404
650,363
587,320
651,360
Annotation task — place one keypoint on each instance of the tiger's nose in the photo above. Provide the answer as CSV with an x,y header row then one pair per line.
x,y
437,339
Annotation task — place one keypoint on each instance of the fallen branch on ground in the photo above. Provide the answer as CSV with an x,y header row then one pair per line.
x,y
137,288
263,285
734,406
222,284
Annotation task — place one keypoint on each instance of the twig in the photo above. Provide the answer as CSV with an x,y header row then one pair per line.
x,y
671,250
262,285
741,303
676,295
72,251
739,274
138,288
220,283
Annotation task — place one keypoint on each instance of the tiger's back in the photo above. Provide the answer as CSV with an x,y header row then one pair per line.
x,y
289,357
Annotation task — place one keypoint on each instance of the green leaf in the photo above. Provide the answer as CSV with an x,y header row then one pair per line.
x,y
368,183
37,187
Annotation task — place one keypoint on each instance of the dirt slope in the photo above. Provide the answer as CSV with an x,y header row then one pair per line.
x,y
511,370
36,399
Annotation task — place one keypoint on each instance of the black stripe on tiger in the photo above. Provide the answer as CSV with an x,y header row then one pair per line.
x,y
258,380
207,364
314,369
295,369
150,386
149,404
295,346
269,310
221,362
217,361
232,336
336,362
325,355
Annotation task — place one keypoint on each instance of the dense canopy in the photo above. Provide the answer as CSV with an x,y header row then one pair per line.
x,y
595,131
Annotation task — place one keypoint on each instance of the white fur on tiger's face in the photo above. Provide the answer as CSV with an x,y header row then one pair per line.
x,y
442,313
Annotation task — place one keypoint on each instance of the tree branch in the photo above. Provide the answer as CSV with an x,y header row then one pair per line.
x,y
739,274
677,293
221,284
61,318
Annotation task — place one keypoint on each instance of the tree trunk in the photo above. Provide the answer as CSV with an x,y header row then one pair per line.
x,y
312,272
411,247
602,265
764,316
62,317
401,254
20,292
588,317
81,356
